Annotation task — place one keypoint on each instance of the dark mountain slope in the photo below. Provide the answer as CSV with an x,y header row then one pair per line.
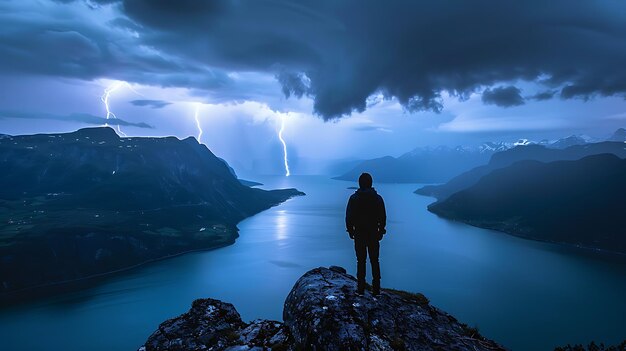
x,y
574,202
519,153
88,202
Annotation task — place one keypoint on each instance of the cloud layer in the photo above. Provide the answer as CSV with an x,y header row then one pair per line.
x,y
337,52
151,103
74,117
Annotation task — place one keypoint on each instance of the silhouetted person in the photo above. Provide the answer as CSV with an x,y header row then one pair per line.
x,y
365,222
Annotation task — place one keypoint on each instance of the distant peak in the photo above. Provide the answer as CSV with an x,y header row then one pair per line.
x,y
618,135
191,139
97,133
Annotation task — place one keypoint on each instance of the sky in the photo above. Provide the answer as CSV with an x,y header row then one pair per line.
x,y
349,79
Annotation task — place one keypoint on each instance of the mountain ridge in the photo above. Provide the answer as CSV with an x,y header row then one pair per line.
x,y
435,164
87,203
508,157
575,202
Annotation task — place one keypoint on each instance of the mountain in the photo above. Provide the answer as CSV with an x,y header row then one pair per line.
x,y
581,139
519,153
441,163
85,203
577,202
322,312
570,141
424,164
563,143
619,136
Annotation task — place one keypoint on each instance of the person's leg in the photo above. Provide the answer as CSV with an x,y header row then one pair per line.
x,y
373,248
360,246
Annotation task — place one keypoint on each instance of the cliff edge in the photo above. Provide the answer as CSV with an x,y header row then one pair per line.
x,y
322,312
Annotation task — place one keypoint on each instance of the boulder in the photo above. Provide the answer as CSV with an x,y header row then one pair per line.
x,y
323,312
215,325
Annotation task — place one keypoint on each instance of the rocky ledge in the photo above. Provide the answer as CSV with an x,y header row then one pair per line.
x,y
322,312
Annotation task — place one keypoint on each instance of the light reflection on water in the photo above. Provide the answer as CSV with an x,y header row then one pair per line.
x,y
281,224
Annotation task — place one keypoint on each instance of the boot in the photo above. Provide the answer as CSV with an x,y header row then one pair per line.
x,y
376,287
360,288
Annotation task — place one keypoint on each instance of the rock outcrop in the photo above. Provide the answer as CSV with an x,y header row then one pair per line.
x,y
215,325
322,312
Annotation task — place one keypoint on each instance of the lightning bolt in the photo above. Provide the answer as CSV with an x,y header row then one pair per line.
x,y
105,99
198,123
280,136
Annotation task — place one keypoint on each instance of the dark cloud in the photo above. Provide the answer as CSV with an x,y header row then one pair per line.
x,y
151,103
75,40
337,52
296,84
180,15
409,50
503,96
544,95
74,117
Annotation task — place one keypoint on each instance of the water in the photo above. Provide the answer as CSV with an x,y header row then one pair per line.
x,y
526,295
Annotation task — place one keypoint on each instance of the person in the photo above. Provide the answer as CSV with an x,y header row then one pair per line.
x,y
365,222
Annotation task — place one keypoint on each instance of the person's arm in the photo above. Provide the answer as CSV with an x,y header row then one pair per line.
x,y
350,219
382,217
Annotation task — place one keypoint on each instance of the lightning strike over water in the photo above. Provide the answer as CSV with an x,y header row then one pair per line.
x,y
280,136
198,124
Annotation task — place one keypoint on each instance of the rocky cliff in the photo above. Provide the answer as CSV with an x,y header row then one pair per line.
x,y
322,312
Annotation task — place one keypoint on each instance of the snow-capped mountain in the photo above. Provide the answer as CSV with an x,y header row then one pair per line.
x,y
579,139
575,139
430,164
491,147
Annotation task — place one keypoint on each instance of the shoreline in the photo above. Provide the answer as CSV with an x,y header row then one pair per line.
x,y
51,289
586,249
35,293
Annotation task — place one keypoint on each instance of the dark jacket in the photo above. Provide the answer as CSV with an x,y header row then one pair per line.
x,y
365,213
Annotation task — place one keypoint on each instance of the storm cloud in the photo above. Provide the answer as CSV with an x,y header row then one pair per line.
x,y
503,96
338,53
544,95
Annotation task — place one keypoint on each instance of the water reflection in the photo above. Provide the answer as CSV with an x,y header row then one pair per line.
x,y
281,225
